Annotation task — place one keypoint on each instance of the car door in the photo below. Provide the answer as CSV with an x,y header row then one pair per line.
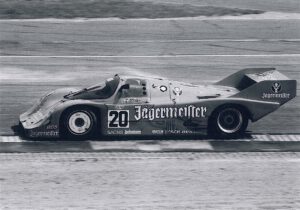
x,y
121,114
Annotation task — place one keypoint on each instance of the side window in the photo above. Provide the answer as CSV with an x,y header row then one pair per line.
x,y
134,88
134,91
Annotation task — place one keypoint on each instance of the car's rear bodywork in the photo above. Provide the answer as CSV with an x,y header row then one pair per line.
x,y
153,106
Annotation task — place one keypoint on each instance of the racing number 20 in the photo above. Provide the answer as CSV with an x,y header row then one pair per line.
x,y
118,119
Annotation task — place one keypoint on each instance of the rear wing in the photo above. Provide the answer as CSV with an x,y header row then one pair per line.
x,y
261,84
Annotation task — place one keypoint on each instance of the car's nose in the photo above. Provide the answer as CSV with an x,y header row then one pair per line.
x,y
30,120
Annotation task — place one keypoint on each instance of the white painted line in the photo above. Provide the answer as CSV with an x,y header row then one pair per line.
x,y
260,138
111,145
295,137
145,56
149,147
195,145
166,41
263,16
176,144
290,138
11,139
282,138
278,138
274,138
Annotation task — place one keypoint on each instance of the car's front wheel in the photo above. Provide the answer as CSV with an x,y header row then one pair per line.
x,y
79,123
228,121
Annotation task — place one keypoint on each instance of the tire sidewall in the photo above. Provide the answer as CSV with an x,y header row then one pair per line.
x,y
67,131
217,132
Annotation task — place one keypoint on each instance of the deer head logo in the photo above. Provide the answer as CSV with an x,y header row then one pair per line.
x,y
276,87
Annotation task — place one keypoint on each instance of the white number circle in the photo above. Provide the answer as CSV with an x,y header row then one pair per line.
x,y
79,123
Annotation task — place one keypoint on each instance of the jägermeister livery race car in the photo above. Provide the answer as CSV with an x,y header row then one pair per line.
x,y
130,105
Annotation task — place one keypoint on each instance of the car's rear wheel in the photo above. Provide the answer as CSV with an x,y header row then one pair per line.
x,y
79,123
228,121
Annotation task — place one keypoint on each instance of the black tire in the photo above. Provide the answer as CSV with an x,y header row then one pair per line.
x,y
228,121
78,124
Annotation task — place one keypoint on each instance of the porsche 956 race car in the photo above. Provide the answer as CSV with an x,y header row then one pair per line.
x,y
131,105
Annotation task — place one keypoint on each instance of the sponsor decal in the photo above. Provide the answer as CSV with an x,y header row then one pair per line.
x,y
163,88
276,87
177,91
43,133
133,132
275,95
158,132
189,111
186,132
131,100
178,132
115,132
52,127
118,118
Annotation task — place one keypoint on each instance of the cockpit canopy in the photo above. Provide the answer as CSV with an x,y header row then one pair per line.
x,y
99,91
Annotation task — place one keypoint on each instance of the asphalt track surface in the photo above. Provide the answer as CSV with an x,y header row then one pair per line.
x,y
265,5
207,181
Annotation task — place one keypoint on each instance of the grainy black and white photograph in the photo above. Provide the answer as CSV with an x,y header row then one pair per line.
x,y
149,104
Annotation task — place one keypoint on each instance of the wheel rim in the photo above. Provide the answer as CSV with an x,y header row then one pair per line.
x,y
230,120
79,123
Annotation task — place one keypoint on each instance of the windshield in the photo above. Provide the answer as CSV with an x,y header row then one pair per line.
x,y
100,91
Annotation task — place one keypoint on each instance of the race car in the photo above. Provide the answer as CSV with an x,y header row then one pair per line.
x,y
132,105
